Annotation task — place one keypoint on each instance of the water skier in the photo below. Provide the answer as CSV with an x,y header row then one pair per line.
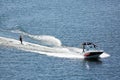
x,y
21,40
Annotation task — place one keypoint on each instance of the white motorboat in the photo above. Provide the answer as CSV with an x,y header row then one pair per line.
x,y
90,51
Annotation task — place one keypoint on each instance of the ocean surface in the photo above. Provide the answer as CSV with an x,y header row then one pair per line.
x,y
53,23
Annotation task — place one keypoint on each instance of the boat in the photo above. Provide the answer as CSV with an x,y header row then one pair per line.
x,y
90,51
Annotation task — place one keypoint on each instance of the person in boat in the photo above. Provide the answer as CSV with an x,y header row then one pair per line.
x,y
87,43
21,40
94,45
83,46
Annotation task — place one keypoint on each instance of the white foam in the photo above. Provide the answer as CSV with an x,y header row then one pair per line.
x,y
50,51
47,40
44,39
63,52
104,55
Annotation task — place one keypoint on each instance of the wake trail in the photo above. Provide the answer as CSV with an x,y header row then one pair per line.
x,y
62,52
31,47
44,39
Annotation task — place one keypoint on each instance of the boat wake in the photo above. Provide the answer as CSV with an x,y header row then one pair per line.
x,y
43,39
56,51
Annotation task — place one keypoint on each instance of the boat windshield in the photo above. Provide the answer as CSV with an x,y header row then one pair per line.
x,y
88,46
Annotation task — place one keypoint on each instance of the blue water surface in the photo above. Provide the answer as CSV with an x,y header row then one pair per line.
x,y
72,22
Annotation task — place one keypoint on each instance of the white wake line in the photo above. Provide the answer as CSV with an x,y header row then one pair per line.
x,y
46,39
50,51
62,52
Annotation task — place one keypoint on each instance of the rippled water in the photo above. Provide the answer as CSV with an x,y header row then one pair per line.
x,y
72,22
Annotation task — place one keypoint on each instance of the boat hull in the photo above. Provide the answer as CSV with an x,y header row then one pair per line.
x,y
90,55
